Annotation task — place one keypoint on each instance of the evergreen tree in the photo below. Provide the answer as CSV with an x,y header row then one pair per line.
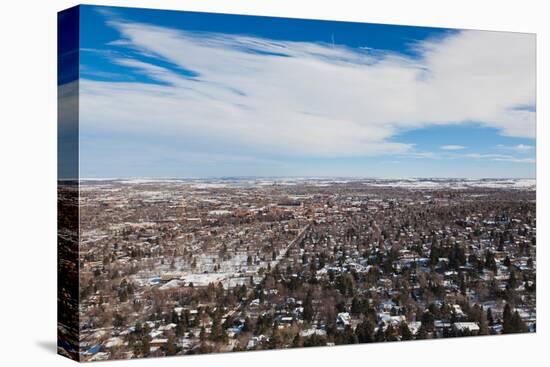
x,y
405,332
434,254
380,335
490,319
365,332
428,321
490,262
145,345
246,325
275,341
171,348
517,324
512,281
296,342
422,333
483,324
355,306
391,334
507,320
308,307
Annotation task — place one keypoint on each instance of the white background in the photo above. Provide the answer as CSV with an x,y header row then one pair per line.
x,y
28,182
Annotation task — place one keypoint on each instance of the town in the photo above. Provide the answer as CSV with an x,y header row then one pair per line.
x,y
174,266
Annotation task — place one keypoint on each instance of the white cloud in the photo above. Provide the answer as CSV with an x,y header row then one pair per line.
x,y
472,156
452,147
516,160
493,157
422,155
520,148
297,98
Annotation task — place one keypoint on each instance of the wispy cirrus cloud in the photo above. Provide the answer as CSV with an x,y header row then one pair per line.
x,y
520,148
515,160
286,98
490,157
452,147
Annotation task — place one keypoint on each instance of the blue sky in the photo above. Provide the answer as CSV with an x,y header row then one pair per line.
x,y
181,94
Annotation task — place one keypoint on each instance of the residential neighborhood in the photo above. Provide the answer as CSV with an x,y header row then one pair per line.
x,y
171,267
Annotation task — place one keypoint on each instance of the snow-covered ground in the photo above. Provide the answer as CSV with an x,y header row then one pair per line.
x,y
412,183
523,183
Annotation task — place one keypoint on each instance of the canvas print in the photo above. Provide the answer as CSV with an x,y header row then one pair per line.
x,y
239,183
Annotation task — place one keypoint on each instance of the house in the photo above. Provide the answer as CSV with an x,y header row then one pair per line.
x,y
114,342
343,319
414,326
312,331
458,311
255,340
471,327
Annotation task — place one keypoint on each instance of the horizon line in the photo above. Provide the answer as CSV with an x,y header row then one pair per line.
x,y
316,177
